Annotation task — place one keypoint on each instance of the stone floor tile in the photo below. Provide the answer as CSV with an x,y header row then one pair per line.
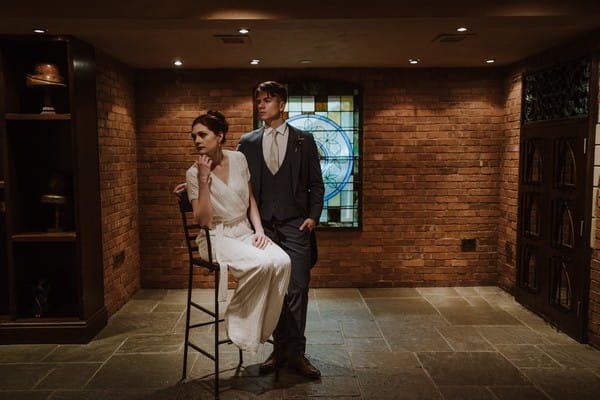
x,y
518,393
511,335
367,344
526,356
415,339
326,386
69,376
324,337
466,393
565,383
500,299
22,376
25,353
460,312
467,291
152,344
126,324
336,294
413,321
24,395
98,350
384,360
464,338
361,314
471,368
138,371
399,384
389,292
439,299
331,360
444,291
390,308
488,289
128,394
76,395
360,329
150,294
134,306
322,325
573,355
169,307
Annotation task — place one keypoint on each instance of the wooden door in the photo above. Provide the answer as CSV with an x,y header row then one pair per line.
x,y
553,243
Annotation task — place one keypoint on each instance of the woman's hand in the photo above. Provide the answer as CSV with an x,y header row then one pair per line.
x,y
204,168
260,240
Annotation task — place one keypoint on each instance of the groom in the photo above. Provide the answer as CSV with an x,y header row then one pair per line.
x,y
287,184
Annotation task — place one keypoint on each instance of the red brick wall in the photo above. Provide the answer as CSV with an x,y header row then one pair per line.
x,y
594,304
118,180
509,180
433,142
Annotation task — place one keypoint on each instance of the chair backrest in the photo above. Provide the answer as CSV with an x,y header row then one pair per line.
x,y
191,230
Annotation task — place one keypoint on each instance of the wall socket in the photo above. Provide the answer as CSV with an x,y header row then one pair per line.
x,y
468,244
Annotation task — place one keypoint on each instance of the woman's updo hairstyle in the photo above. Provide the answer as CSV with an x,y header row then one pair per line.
x,y
215,121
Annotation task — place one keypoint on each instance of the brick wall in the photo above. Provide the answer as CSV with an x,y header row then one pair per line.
x,y
594,304
509,180
118,181
433,142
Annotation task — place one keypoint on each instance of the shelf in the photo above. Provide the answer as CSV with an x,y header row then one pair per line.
x,y
45,237
37,117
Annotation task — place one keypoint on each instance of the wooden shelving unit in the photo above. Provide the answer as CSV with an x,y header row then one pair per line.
x,y
51,284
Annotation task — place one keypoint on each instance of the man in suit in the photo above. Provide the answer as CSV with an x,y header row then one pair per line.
x,y
287,184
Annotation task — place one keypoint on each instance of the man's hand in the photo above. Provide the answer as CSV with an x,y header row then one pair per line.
x,y
308,223
260,240
179,189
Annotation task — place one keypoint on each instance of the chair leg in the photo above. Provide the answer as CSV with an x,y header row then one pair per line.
x,y
187,323
216,335
241,358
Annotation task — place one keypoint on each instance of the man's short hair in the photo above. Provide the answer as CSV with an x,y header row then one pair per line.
x,y
274,89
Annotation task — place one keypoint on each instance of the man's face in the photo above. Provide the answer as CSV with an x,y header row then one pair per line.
x,y
269,108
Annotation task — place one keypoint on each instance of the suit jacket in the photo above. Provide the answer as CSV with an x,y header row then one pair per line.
x,y
307,181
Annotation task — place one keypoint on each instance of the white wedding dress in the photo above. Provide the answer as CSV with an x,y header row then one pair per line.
x,y
262,275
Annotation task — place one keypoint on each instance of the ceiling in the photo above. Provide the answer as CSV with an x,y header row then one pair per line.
x,y
371,33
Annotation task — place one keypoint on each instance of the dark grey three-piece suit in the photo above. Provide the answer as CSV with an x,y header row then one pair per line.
x,y
285,200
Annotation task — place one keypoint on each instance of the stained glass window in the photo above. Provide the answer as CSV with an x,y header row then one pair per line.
x,y
333,117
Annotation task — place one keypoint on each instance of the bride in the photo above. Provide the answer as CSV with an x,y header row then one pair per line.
x,y
221,196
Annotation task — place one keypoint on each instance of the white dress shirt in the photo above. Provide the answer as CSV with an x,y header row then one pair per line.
x,y
282,140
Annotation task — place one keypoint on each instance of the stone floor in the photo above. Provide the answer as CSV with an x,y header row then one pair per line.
x,y
402,343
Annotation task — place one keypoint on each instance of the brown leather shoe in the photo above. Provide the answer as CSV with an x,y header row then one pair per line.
x,y
301,364
271,364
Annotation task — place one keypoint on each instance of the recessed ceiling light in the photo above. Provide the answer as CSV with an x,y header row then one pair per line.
x,y
461,29
254,62
177,63
490,61
40,30
413,60
243,31
305,61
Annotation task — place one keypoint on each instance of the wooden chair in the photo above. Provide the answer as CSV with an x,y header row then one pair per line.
x,y
191,231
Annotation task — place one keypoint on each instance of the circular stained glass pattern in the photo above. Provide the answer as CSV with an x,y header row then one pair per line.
x,y
334,148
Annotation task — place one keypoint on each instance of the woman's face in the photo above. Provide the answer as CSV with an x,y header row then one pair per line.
x,y
206,141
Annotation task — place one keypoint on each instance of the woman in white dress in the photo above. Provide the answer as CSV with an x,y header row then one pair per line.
x,y
218,187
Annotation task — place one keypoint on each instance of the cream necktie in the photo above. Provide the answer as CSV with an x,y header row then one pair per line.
x,y
274,153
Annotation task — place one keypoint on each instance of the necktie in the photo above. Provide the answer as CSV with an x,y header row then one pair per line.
x,y
274,154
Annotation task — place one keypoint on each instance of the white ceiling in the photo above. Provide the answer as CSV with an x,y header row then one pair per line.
x,y
150,34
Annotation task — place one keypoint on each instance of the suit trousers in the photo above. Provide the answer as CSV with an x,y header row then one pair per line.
x,y
289,335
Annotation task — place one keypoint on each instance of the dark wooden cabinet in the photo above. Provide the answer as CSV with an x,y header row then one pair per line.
x,y
51,281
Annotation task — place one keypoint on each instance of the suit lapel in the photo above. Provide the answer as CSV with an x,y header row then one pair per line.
x,y
295,154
